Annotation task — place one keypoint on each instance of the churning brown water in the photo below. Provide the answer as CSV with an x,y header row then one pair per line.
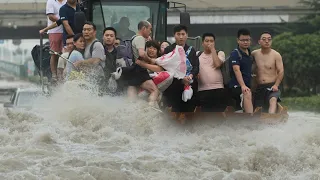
x,y
75,135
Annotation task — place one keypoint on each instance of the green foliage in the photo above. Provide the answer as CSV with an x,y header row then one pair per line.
x,y
303,103
299,49
307,24
300,54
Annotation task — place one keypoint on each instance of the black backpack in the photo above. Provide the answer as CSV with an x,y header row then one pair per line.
x,y
225,68
46,56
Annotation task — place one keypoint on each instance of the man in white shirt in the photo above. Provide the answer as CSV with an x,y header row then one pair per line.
x,y
55,34
62,62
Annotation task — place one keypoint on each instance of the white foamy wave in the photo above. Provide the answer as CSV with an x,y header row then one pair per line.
x,y
75,134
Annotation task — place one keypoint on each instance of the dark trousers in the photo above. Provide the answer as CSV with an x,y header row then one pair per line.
x,y
233,97
173,97
213,100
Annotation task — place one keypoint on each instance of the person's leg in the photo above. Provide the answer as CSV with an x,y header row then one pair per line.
x,y
56,45
218,100
132,93
272,105
152,89
205,101
273,100
247,102
172,95
236,99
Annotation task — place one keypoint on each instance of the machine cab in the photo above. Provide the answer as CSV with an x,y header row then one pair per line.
x,y
124,16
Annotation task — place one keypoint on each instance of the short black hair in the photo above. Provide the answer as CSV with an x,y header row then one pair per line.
x,y
204,35
154,44
77,37
143,24
110,29
70,36
179,28
265,32
243,31
92,24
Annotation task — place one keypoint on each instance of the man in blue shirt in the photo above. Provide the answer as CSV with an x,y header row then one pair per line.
x,y
66,14
240,65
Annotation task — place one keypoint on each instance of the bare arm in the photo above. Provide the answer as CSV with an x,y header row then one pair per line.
x,y
151,67
52,17
92,61
218,59
67,27
53,25
88,63
280,69
237,72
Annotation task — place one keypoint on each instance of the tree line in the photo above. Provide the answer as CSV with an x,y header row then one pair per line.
x,y
299,45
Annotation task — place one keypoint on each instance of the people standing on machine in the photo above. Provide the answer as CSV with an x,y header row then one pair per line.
x,y
76,54
94,55
211,93
241,68
55,34
269,74
153,51
109,41
172,95
62,62
139,75
67,13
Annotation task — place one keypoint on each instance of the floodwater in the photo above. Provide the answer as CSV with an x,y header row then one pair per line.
x,y
74,135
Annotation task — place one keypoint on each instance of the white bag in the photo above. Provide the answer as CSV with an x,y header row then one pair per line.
x,y
174,62
187,93
112,81
117,74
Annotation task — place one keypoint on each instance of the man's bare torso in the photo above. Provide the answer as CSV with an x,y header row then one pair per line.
x,y
266,70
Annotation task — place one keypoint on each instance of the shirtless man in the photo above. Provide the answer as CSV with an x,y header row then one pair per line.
x,y
269,70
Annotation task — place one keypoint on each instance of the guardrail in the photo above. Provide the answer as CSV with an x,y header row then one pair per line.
x,y
19,70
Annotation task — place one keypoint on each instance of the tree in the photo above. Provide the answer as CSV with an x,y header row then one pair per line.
x,y
301,59
310,23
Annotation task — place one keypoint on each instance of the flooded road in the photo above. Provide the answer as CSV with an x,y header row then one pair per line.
x,y
76,136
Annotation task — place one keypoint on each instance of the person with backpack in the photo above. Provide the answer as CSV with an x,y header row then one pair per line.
x,y
240,64
173,94
94,55
139,76
211,93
